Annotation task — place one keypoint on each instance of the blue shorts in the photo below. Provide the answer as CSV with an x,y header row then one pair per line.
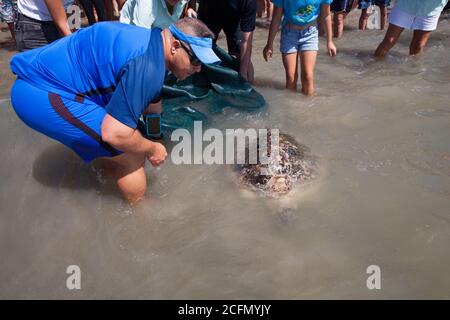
x,y
364,4
292,40
75,124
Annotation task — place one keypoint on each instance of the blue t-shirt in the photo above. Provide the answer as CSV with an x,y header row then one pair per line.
x,y
300,12
118,66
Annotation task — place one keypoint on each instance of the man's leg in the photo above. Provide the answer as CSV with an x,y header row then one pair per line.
x,y
338,28
390,39
128,171
88,10
100,9
308,63
290,62
260,8
419,40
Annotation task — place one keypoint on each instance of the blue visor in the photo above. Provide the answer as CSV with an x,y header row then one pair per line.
x,y
200,46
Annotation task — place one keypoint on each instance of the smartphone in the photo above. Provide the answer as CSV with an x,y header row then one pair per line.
x,y
153,125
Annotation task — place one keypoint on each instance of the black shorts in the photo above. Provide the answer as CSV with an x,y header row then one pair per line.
x,y
231,16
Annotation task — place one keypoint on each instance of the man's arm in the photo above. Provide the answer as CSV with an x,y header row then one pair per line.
x,y
130,140
58,13
246,67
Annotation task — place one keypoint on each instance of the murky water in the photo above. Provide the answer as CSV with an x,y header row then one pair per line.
x,y
382,131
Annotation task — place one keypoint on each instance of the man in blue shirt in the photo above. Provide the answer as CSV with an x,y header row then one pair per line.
x,y
88,90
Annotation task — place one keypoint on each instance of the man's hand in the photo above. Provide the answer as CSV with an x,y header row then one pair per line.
x,y
158,154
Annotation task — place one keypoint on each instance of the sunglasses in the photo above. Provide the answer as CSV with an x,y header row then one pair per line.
x,y
192,57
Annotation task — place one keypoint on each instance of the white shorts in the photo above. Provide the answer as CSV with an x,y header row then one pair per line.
x,y
406,20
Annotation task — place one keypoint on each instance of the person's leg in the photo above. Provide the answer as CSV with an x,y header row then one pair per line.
x,y
383,17
128,171
290,63
390,39
419,40
260,7
363,19
88,10
109,9
100,9
338,27
269,10
307,64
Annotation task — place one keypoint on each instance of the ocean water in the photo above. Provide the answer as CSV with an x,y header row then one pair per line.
x,y
382,132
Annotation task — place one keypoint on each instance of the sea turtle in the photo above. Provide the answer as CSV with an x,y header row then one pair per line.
x,y
290,164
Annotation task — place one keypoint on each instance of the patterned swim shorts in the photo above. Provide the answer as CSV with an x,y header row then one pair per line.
x,y
8,10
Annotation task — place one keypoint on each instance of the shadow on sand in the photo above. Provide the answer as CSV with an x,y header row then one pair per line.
x,y
59,167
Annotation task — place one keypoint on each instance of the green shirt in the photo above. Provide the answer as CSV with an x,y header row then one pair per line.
x,y
422,7
150,13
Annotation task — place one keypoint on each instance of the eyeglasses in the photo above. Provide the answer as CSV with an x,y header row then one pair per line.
x,y
192,57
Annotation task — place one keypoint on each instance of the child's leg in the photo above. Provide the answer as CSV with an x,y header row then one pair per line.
x,y
390,39
338,28
290,62
383,17
418,42
363,19
308,63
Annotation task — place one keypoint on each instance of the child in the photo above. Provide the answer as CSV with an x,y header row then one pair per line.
x,y
418,15
299,38
340,9
8,12
365,4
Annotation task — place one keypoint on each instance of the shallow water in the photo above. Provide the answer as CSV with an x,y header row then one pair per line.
x,y
382,132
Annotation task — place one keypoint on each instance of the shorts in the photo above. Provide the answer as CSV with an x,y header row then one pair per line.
x,y
233,17
8,11
342,5
406,20
77,125
364,4
32,33
292,40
